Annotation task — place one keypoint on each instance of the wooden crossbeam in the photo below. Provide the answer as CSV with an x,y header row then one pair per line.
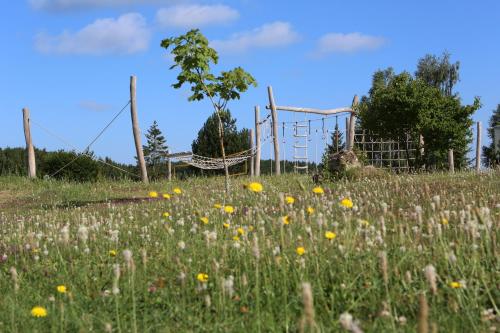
x,y
315,111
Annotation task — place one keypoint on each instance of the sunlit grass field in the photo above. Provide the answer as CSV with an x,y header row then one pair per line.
x,y
397,254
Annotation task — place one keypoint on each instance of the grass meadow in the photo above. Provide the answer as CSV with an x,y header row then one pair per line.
x,y
399,254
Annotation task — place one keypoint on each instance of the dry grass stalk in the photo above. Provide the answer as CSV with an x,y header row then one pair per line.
x,y
423,315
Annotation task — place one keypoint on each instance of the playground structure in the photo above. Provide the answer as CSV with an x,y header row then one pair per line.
x,y
388,154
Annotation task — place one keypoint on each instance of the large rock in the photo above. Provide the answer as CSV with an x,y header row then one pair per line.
x,y
343,161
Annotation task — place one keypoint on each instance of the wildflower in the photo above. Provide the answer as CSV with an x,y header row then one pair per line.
x,y
153,194
310,210
285,219
289,200
255,187
236,238
347,203
204,220
455,285
166,196
444,221
226,225
229,209
202,277
240,230
364,223
177,190
300,250
318,190
431,276
61,289
330,235
166,214
39,311
217,206
112,253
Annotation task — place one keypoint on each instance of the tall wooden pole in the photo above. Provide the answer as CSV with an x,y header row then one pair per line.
x,y
352,122
257,141
346,138
274,117
29,144
478,147
137,131
451,162
169,162
251,159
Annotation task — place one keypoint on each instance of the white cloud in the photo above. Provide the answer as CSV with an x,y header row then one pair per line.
x,y
194,16
93,106
61,5
268,35
127,34
347,43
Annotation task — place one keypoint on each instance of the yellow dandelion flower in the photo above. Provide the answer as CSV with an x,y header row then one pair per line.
x,y
218,206
204,219
455,285
346,202
285,219
289,200
153,194
444,221
241,231
112,253
202,277
39,311
229,209
300,250
310,210
250,228
330,235
255,187
177,190
166,196
318,190
61,289
226,225
236,238
166,214
364,223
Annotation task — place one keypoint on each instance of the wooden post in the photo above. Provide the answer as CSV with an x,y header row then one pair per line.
x,y
451,162
346,137
137,131
274,116
29,144
251,159
169,162
257,141
352,122
478,147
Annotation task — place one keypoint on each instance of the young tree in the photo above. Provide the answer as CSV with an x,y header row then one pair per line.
x,y
490,156
194,56
337,144
155,148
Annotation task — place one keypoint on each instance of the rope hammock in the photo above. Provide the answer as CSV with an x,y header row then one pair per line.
x,y
211,163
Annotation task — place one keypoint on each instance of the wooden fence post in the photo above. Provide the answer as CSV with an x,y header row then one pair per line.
x,y
251,158
257,141
274,116
137,131
451,162
346,137
169,163
29,144
478,147
352,123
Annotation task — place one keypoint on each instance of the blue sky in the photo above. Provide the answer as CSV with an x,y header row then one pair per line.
x,y
70,61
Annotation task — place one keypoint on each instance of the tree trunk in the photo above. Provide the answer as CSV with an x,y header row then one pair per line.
x,y
221,141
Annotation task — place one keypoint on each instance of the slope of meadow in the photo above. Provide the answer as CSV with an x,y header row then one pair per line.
x,y
413,252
